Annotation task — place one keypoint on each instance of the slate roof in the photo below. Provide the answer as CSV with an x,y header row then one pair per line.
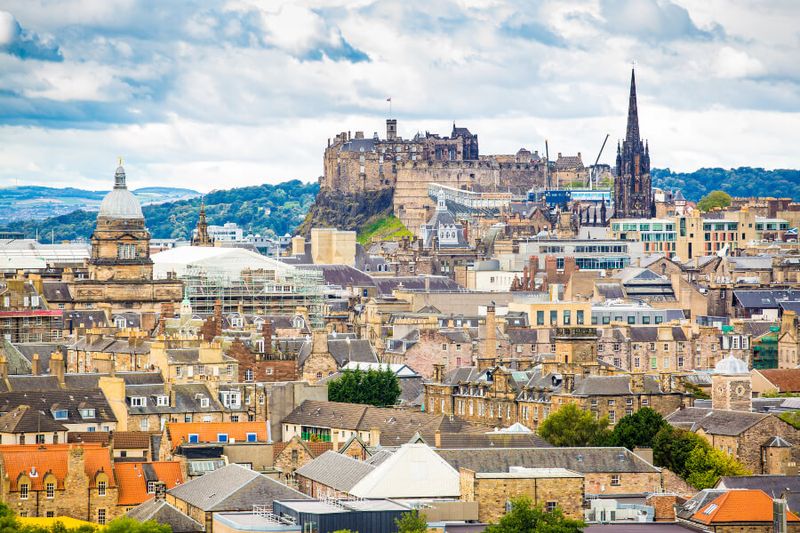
x,y
522,336
110,345
23,419
341,275
70,400
162,512
386,285
491,440
715,421
335,470
696,502
233,488
584,460
43,349
650,334
610,291
90,319
56,292
765,298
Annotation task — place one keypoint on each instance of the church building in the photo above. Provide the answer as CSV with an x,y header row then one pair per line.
x,y
633,194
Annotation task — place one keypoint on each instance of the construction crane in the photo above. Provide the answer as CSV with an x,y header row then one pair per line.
x,y
593,175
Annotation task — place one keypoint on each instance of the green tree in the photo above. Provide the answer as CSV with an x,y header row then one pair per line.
x,y
637,429
714,199
706,465
572,426
373,387
525,518
412,522
672,446
8,521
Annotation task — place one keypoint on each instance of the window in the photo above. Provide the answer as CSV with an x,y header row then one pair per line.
x,y
611,403
567,318
458,347
553,318
50,514
194,438
612,416
551,506
101,488
645,319
162,400
23,491
101,517
138,401
615,481
40,438
50,490
645,401
270,371
61,414
252,437
579,317
222,437
540,318
144,424
444,346
178,371
204,402
631,319
248,374
234,418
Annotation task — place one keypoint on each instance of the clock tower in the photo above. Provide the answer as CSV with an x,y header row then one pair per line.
x,y
633,193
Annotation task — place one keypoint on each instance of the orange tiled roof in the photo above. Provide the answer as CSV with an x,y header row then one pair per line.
x,y
786,379
20,459
740,506
207,431
132,479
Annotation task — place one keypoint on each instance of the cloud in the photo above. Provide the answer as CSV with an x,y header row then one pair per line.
x,y
652,20
16,41
731,63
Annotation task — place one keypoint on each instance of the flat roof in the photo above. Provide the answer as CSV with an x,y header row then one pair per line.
x,y
250,521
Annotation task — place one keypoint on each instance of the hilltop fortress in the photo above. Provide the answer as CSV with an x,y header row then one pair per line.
x,y
356,165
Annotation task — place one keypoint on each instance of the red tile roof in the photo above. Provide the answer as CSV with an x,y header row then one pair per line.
x,y
208,431
132,479
739,506
21,459
786,379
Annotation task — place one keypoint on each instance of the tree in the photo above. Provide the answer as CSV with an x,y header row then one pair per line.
x,y
572,426
525,518
412,522
637,429
706,465
672,446
8,521
714,199
373,387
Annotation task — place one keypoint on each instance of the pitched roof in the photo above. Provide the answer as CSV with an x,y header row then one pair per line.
x,y
47,400
132,479
583,460
209,431
739,505
23,419
21,459
335,470
131,440
715,421
491,440
233,488
775,486
786,379
164,513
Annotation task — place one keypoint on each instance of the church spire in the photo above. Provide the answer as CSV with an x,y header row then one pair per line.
x,y
632,134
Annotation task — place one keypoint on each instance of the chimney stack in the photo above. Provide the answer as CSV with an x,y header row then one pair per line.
x,y
266,330
35,368
217,317
57,367
490,349
438,373
437,439
374,436
3,367
569,383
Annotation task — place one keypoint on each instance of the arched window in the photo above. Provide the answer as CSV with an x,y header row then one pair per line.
x,y
120,322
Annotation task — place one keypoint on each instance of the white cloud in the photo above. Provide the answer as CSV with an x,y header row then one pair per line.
x,y
732,63
8,27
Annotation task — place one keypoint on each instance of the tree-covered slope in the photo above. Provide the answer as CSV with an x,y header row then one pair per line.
x,y
263,209
742,181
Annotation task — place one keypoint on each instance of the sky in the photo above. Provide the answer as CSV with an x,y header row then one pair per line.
x,y
212,95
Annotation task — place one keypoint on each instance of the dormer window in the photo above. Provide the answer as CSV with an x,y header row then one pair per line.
x,y
204,402
151,487
61,414
222,437
162,400
88,412
138,401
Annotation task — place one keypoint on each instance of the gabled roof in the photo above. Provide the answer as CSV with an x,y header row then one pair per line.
x,y
233,488
23,419
739,506
132,479
413,471
164,513
786,379
774,486
715,421
54,458
338,471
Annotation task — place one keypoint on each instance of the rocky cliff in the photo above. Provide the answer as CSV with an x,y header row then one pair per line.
x,y
347,211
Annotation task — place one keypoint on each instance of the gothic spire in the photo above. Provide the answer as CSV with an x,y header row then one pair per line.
x,y
632,133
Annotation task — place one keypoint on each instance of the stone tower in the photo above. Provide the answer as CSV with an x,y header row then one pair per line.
x,y
731,385
120,242
633,195
201,237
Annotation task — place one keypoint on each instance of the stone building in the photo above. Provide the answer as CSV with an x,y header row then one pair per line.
x,y
24,312
59,480
289,456
120,269
549,488
200,236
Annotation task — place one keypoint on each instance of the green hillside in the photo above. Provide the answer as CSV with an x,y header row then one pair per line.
x,y
742,181
263,209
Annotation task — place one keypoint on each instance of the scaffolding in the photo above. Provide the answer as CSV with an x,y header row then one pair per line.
x,y
256,292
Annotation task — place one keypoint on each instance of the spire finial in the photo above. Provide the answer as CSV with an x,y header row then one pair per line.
x,y
119,160
632,133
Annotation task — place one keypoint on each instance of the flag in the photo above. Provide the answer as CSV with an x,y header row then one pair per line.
x,y
389,99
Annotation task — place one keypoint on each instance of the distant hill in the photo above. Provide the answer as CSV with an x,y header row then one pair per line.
x,y
742,181
262,209
36,203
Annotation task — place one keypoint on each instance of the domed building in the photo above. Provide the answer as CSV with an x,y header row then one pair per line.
x,y
120,269
731,385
